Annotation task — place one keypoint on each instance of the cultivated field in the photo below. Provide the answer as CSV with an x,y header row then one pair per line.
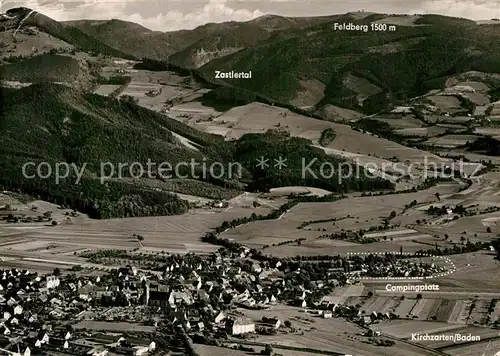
x,y
451,141
483,333
354,213
327,334
41,247
445,102
106,89
422,131
404,328
475,272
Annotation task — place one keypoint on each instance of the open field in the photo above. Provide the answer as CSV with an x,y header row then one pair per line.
x,y
475,272
370,145
206,350
341,294
451,141
405,122
487,131
473,157
363,212
285,191
327,334
445,101
106,89
404,328
169,85
258,118
40,247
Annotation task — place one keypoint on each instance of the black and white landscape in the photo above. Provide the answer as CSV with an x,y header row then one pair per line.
x,y
278,185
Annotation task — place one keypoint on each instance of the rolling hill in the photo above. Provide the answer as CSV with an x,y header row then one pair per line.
x,y
364,70
191,48
52,123
128,37
220,40
17,17
49,124
305,62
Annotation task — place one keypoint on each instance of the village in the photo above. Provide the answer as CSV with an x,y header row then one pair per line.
x,y
131,311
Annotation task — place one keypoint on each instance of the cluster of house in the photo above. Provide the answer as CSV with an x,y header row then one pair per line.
x,y
23,295
201,294
154,92
407,269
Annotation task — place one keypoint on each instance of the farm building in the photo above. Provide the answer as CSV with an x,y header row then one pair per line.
x,y
240,326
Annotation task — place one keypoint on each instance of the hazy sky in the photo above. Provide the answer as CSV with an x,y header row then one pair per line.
x,y
167,15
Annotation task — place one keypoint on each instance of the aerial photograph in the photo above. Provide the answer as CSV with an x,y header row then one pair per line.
x,y
250,177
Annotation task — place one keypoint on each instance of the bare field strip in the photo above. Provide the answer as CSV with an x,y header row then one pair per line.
x,y
352,301
341,294
464,313
417,308
427,309
40,267
455,313
404,122
375,304
405,328
452,141
391,233
480,312
433,314
113,326
106,89
422,131
206,350
222,351
357,142
390,306
368,305
487,131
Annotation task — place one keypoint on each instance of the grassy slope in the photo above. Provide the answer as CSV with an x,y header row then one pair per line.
x,y
446,46
69,34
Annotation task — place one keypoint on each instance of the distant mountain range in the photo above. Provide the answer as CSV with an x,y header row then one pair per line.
x,y
305,62
308,62
191,48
